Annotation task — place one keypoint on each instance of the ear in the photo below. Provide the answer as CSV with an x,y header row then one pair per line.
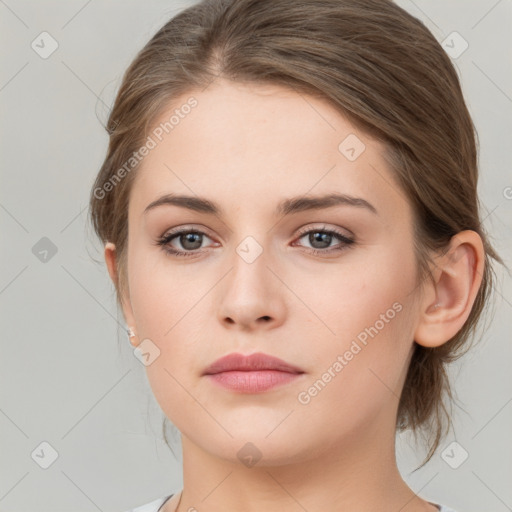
x,y
447,302
111,261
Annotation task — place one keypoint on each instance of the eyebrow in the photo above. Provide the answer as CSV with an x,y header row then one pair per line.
x,y
285,207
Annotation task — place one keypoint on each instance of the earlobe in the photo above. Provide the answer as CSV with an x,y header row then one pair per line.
x,y
131,336
458,276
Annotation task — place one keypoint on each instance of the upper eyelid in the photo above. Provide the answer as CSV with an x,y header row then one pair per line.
x,y
186,229
324,227
299,231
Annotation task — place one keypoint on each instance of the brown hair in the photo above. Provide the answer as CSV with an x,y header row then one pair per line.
x,y
379,67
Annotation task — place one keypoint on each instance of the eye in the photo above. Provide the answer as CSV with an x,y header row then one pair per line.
x,y
321,238
189,239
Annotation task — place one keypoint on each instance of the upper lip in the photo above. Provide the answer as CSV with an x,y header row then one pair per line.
x,y
253,362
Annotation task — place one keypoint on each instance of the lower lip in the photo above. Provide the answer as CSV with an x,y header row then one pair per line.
x,y
253,381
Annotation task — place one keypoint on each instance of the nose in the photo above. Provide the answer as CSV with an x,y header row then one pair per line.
x,y
251,295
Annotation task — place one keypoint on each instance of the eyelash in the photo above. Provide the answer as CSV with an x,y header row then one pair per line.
x,y
165,240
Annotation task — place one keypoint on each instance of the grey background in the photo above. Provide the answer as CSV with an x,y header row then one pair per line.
x,y
68,375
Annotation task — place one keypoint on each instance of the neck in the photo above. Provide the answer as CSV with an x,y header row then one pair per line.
x,y
358,472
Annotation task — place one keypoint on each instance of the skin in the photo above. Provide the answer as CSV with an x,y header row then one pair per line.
x,y
247,147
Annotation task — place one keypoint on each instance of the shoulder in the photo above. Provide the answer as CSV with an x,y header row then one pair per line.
x,y
152,506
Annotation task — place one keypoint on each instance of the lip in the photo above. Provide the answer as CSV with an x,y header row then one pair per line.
x,y
254,362
251,374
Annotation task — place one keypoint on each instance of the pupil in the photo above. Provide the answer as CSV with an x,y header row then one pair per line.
x,y
189,237
323,238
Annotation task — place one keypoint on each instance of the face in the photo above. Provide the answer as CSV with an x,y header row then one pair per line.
x,y
327,287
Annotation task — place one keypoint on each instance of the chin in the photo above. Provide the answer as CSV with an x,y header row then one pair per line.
x,y
251,447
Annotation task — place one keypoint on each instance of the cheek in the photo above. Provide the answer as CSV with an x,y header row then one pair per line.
x,y
163,295
168,305
351,297
367,307
357,378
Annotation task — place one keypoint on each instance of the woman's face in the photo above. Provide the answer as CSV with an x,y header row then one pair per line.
x,y
271,273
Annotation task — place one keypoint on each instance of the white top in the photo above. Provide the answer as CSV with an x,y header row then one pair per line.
x,y
155,505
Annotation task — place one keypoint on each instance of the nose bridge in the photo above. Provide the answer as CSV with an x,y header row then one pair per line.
x,y
250,240
251,289
250,259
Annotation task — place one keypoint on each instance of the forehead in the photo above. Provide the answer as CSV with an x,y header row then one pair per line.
x,y
248,144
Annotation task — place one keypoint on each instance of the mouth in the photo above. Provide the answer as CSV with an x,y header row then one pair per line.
x,y
251,374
